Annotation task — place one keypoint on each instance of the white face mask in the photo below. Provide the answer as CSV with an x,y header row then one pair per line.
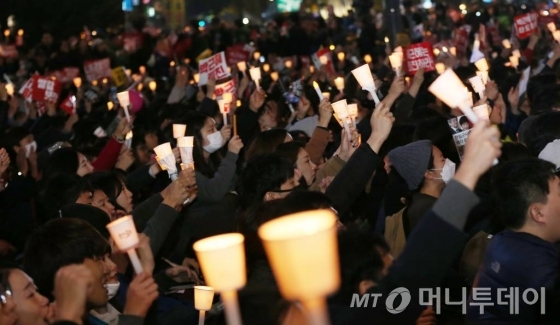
x,y
28,147
215,142
112,289
447,172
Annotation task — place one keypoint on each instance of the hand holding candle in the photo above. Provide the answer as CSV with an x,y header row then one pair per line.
x,y
123,231
339,84
255,75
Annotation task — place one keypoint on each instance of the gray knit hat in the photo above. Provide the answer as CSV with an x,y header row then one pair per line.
x,y
411,161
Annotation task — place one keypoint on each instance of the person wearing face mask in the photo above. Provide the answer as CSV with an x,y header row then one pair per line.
x,y
426,172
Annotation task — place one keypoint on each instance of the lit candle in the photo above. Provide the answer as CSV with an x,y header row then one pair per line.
x,y
274,76
342,112
241,66
386,40
339,83
440,67
255,75
203,298
365,79
436,52
222,261
110,105
324,60
172,63
224,110
367,58
266,67
514,61
318,90
152,85
77,82
256,55
142,70
506,44
196,77
128,140
288,64
179,130
341,56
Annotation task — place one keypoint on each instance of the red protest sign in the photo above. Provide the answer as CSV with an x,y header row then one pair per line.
x,y
132,42
66,75
419,56
525,25
8,51
68,105
215,67
97,69
237,53
227,87
27,89
323,57
45,89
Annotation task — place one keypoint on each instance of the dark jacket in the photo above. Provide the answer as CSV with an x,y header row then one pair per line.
x,y
515,260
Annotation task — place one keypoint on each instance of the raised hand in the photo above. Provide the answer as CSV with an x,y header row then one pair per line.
x,y
235,144
142,292
482,148
72,285
381,124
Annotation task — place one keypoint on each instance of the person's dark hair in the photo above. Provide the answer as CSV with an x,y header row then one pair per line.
x,y
195,124
360,260
514,151
266,142
299,201
262,174
63,160
542,131
60,190
545,102
540,82
96,217
58,243
463,119
12,137
517,185
111,183
290,151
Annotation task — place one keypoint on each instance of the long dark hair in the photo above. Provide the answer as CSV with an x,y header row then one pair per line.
x,y
111,183
195,122
266,142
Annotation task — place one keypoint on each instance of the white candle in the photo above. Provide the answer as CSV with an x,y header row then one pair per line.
x,y
318,90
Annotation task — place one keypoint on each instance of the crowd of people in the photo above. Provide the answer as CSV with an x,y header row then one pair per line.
x,y
415,210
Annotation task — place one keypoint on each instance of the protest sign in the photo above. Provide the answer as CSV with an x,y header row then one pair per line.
x,y
525,25
226,87
460,127
66,75
27,89
69,105
215,67
419,56
323,57
237,53
119,76
461,39
97,69
45,89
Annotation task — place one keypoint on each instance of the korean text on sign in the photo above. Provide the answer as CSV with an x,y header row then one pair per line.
x,y
227,87
215,67
526,25
419,56
97,69
45,89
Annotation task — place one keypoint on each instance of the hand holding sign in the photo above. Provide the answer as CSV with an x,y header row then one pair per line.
x,y
482,149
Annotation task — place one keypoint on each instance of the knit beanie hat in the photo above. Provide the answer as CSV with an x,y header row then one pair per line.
x,y
92,215
411,161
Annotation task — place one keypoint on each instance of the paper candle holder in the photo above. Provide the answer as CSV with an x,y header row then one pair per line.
x,y
450,90
309,241
506,44
326,95
339,83
179,130
203,298
163,150
516,53
256,55
483,75
396,61
365,79
340,108
242,66
10,89
482,65
274,76
255,75
324,60
185,142
185,145
222,261
123,231
482,111
124,98
196,77
478,85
